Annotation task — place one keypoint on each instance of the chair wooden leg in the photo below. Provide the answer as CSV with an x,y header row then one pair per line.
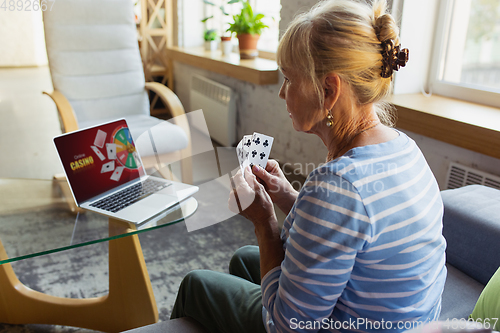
x,y
129,304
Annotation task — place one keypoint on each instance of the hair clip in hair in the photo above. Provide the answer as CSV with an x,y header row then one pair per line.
x,y
392,58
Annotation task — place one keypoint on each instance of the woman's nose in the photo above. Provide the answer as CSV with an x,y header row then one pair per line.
x,y
282,92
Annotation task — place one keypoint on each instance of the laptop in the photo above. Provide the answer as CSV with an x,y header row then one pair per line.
x,y
106,174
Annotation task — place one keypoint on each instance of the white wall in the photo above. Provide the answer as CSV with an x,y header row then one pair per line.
x,y
22,40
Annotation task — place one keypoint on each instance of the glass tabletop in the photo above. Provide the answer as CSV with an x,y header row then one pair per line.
x,y
35,219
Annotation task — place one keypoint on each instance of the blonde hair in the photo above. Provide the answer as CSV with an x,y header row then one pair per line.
x,y
343,37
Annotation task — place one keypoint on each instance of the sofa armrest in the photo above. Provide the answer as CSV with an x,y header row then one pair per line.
x,y
471,226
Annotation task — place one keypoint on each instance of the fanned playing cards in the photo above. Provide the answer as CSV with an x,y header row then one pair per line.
x,y
254,149
119,151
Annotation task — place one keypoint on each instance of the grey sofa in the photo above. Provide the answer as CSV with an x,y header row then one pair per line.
x,y
471,226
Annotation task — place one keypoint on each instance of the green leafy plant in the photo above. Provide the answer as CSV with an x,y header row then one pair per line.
x,y
210,34
246,22
214,5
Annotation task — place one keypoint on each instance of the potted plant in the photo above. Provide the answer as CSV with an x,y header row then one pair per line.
x,y
210,37
226,45
247,26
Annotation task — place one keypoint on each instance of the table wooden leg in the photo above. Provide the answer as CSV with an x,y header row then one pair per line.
x,y
129,304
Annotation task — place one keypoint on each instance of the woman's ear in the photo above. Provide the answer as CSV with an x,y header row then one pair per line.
x,y
331,87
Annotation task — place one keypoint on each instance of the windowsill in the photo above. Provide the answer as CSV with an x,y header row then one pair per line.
x,y
472,126
259,71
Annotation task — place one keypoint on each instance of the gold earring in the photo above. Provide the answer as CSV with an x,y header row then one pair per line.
x,y
329,121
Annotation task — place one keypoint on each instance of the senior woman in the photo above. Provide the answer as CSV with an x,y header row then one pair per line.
x,y
361,248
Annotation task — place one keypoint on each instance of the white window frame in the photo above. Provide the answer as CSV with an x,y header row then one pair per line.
x,y
453,90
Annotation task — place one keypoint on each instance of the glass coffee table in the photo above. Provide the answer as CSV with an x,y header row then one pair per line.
x,y
35,220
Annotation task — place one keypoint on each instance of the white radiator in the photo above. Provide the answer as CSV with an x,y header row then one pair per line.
x,y
218,103
459,175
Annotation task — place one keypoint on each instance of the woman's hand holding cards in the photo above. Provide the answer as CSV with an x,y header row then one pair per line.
x,y
250,199
277,186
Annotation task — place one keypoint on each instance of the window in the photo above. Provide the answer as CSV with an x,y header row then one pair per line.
x,y
270,37
466,60
270,8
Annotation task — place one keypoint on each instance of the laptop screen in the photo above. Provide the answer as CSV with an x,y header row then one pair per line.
x,y
98,159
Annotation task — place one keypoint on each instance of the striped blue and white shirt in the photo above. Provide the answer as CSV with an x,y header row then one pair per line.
x,y
363,244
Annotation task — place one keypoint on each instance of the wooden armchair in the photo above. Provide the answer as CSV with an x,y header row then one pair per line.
x,y
97,75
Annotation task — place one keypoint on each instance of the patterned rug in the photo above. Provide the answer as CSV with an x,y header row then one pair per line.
x,y
170,253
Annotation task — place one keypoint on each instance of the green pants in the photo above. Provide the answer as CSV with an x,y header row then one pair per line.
x,y
224,302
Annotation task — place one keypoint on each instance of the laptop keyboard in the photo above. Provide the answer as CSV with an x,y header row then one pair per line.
x,y
129,195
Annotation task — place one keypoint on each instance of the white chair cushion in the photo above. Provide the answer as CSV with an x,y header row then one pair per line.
x,y
95,87
75,63
92,12
167,137
89,37
100,110
94,58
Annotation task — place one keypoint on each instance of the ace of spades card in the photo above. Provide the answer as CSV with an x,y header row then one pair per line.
x,y
254,149
107,167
